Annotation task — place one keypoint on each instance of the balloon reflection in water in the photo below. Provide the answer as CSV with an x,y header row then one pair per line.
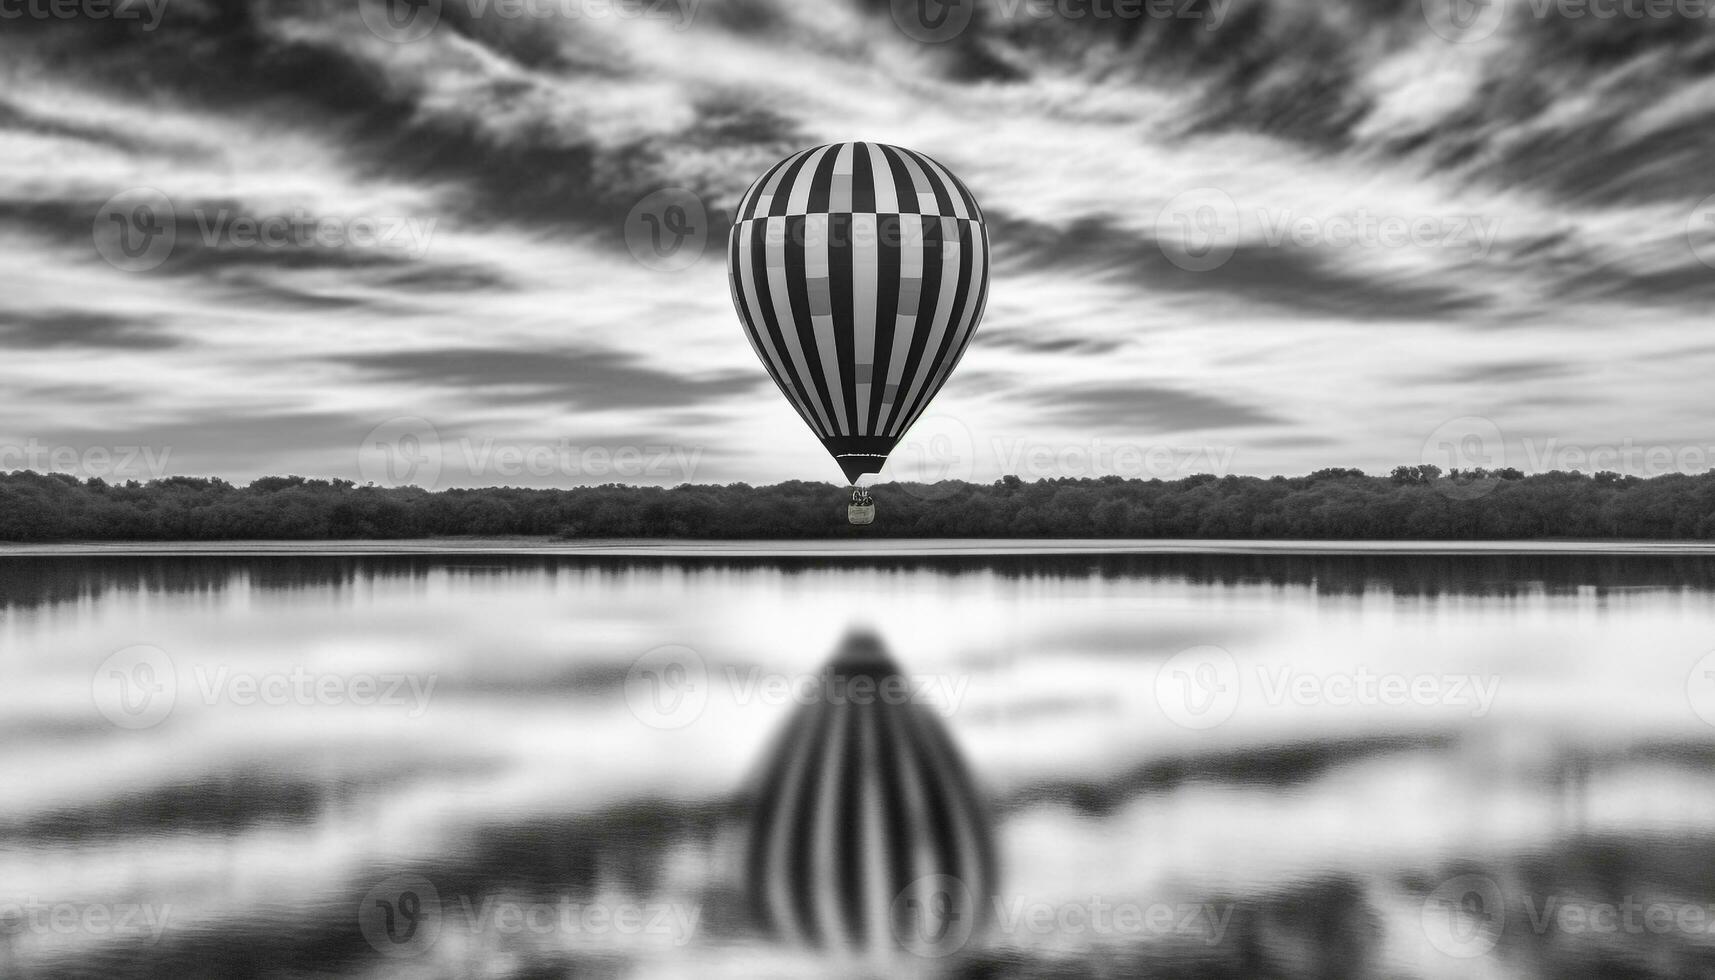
x,y
869,838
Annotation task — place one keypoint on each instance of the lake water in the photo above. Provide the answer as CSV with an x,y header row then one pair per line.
x,y
1213,764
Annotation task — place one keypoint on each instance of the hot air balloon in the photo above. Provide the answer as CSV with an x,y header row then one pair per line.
x,y
860,272
869,839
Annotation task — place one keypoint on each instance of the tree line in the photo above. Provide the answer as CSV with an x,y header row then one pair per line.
x,y
1411,503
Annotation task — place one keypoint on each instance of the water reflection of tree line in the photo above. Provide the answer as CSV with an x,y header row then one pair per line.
x,y
32,581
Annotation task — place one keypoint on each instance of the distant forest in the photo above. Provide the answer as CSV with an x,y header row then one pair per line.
x,y
1411,503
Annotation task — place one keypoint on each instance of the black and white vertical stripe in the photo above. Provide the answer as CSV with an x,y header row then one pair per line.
x,y
860,272
869,836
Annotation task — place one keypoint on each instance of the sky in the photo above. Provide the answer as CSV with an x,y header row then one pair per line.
x,y
1230,236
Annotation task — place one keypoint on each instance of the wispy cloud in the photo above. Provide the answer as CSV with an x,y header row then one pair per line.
x,y
73,329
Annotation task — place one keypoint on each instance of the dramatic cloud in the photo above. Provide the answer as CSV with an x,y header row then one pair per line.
x,y
69,329
1287,235
1153,407
587,380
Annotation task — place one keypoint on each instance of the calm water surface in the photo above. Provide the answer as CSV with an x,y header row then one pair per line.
x,y
478,765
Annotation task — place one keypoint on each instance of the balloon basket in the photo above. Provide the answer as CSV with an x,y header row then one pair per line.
x,y
861,510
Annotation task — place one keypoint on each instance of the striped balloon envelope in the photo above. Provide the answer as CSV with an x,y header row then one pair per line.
x,y
869,839
860,272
